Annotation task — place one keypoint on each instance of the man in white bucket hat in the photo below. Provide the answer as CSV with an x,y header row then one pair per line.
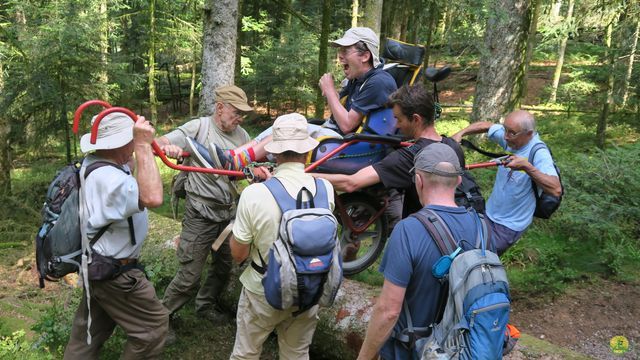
x,y
255,229
112,205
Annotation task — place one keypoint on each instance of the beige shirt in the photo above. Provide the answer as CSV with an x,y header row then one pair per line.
x,y
210,195
258,217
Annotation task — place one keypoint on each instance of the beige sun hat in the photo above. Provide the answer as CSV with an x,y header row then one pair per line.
x,y
364,34
234,96
115,131
290,134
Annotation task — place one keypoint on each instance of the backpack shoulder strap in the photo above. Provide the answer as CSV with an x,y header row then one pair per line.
x,y
285,201
438,230
535,149
321,199
203,130
98,164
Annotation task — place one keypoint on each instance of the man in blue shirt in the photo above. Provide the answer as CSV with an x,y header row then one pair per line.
x,y
366,88
367,85
411,253
512,202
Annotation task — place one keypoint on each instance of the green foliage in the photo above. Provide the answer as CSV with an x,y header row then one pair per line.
x,y
17,347
54,326
603,194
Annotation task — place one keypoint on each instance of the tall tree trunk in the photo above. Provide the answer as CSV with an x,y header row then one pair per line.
x,y
322,56
372,15
433,19
632,52
192,90
218,49
355,8
561,50
531,42
5,164
103,77
443,22
501,59
239,40
608,101
194,65
153,100
555,10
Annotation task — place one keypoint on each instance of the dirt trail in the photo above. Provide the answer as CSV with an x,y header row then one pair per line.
x,y
585,318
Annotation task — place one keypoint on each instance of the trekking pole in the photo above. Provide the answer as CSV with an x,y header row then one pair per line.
x,y
156,147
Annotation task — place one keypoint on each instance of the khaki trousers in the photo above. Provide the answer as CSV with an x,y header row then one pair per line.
x,y
198,234
130,301
256,319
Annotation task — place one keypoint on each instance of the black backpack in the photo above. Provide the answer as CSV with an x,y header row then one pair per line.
x,y
468,193
546,204
58,242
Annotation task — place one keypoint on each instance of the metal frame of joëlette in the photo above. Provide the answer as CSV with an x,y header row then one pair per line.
x,y
238,174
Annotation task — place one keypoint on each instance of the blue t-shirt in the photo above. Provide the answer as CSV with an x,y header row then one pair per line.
x,y
366,94
512,202
407,262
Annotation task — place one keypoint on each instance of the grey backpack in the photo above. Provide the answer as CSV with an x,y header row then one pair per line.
x,y
476,310
58,242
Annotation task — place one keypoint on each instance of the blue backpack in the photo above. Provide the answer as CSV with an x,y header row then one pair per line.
x,y
475,295
304,267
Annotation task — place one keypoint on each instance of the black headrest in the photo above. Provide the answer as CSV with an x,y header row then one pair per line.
x,y
398,51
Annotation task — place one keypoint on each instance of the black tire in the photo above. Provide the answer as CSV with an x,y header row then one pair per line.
x,y
368,244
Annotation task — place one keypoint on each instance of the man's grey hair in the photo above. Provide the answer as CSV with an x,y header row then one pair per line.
x,y
527,121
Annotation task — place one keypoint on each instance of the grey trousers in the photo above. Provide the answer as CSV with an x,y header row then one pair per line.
x,y
198,233
130,301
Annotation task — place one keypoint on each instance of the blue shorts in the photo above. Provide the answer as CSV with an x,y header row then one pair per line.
x,y
503,237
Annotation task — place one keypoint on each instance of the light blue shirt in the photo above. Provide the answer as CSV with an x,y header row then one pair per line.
x,y
512,202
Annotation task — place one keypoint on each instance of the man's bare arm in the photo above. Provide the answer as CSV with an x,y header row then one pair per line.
x,y
350,183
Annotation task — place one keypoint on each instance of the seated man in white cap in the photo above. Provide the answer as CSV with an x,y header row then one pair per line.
x,y
366,89
113,212
255,229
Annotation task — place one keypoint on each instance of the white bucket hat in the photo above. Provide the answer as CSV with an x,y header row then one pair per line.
x,y
115,131
290,134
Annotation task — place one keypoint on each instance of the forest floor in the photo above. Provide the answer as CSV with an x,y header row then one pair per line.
x,y
583,319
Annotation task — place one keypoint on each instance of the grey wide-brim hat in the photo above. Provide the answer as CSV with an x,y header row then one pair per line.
x,y
290,133
439,159
115,131
364,34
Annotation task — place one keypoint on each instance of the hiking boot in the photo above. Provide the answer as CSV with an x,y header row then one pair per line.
x,y
171,336
199,154
221,159
216,317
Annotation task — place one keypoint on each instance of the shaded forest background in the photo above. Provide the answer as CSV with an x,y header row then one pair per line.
x,y
573,63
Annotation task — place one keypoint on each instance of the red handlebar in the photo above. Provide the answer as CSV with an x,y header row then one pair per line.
x,y
154,145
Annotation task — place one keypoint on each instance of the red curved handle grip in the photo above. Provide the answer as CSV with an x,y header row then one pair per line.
x,y
105,112
80,110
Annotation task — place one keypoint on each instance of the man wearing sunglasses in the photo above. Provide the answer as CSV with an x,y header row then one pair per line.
x,y
512,202
210,204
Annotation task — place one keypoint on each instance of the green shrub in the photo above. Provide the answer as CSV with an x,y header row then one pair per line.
x,y
54,326
17,347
